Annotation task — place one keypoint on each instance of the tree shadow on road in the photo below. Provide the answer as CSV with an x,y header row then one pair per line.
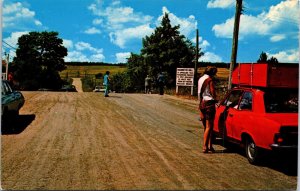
x,y
18,125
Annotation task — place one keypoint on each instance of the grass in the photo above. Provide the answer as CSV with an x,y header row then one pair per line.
x,y
83,71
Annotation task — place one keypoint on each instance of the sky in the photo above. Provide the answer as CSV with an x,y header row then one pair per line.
x,y
109,30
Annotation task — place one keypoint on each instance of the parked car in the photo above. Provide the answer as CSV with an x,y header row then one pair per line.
x,y
11,100
260,117
98,89
68,88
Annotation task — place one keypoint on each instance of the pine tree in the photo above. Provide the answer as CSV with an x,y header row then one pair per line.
x,y
165,50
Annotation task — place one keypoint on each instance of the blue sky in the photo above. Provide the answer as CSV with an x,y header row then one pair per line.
x,y
108,30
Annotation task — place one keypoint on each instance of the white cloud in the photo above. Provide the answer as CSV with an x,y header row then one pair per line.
x,y
284,11
210,57
97,58
220,3
76,56
121,37
122,23
117,16
97,21
188,25
122,57
16,15
288,56
68,43
84,52
81,46
14,37
204,44
13,41
277,38
92,30
262,24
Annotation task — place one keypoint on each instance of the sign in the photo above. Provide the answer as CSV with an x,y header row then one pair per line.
x,y
185,77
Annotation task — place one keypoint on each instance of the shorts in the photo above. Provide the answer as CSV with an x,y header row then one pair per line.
x,y
208,109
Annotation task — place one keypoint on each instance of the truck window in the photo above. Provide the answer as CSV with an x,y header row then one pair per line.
x,y
281,101
233,99
246,101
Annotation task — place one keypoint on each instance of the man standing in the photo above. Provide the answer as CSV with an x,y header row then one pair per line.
x,y
106,83
147,84
161,83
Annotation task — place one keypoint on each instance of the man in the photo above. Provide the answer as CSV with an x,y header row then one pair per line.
x,y
161,83
207,97
106,83
147,84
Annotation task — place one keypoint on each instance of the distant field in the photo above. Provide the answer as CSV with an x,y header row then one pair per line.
x,y
222,73
81,71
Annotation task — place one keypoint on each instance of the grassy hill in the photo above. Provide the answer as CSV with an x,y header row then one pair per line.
x,y
73,71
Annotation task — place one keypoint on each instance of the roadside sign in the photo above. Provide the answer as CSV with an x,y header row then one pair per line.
x,y
185,77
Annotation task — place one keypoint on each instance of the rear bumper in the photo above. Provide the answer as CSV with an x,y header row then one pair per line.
x,y
283,147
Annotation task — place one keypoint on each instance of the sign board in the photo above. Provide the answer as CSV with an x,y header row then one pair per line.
x,y
185,77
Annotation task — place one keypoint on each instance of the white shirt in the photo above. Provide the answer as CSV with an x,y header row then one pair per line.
x,y
206,93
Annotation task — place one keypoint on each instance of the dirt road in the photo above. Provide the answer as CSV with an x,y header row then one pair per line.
x,y
66,140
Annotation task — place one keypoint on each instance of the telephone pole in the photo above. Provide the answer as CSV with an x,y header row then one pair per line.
x,y
6,68
235,39
196,62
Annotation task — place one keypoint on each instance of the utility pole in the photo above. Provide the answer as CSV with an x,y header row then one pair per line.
x,y
6,68
235,39
196,62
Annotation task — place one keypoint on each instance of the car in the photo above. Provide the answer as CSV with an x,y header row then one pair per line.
x,y
259,117
68,88
11,102
98,89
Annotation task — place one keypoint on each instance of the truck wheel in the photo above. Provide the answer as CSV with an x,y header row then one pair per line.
x,y
251,151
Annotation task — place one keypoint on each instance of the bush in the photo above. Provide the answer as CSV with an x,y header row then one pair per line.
x,y
87,84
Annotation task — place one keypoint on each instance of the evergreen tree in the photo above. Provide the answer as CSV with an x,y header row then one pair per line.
x,y
263,58
165,50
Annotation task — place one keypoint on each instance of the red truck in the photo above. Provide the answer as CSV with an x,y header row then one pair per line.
x,y
261,111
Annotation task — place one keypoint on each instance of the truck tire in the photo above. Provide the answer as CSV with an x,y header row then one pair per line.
x,y
252,152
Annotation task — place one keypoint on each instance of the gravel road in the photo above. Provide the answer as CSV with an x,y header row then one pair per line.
x,y
68,140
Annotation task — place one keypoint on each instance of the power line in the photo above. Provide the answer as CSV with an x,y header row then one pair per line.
x,y
9,45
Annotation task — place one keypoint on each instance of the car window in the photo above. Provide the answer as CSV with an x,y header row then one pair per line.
x,y
233,98
6,89
246,101
281,101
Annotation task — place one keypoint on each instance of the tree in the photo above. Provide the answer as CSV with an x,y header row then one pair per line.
x,y
165,50
39,58
263,58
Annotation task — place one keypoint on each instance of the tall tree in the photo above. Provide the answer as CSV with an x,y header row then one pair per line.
x,y
262,58
166,49
39,58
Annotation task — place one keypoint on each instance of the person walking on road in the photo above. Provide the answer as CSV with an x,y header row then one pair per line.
x,y
207,95
147,84
106,83
161,83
